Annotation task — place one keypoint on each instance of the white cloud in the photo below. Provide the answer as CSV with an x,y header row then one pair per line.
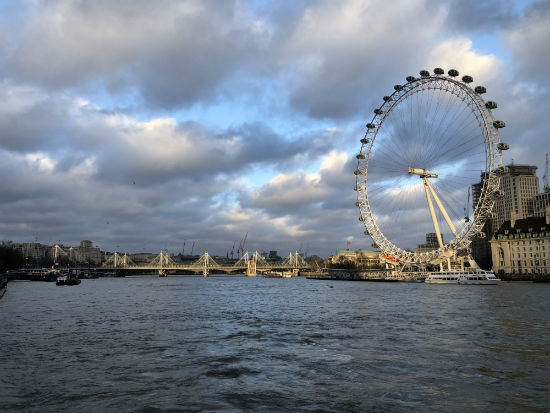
x,y
91,98
458,54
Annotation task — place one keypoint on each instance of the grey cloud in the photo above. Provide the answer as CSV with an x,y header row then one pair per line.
x,y
329,66
177,54
480,15
528,41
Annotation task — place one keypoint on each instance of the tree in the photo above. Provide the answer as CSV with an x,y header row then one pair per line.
x,y
10,258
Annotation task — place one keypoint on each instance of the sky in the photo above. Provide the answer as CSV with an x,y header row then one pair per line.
x,y
174,125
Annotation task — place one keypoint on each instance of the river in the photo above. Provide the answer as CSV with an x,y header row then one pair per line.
x,y
238,344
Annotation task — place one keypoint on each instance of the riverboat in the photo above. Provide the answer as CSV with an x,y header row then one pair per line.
x,y
68,279
277,274
43,275
479,277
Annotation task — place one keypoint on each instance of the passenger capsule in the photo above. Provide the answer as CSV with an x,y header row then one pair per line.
x,y
358,204
387,98
480,234
360,156
356,188
499,193
499,124
424,73
453,72
491,215
371,126
411,79
467,79
366,232
503,146
378,112
503,170
364,141
398,87
491,105
362,218
480,89
439,71
358,172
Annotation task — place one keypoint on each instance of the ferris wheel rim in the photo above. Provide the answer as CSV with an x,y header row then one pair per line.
x,y
488,128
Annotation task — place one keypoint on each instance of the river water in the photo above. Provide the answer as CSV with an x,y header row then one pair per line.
x,y
232,344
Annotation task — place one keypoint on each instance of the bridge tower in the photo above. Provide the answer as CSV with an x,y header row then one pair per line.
x,y
205,265
162,271
251,267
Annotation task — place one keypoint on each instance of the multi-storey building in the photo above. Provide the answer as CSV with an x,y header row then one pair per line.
x,y
85,253
522,246
431,243
539,204
360,259
33,252
520,185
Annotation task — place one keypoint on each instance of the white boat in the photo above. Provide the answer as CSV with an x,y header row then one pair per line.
x,y
462,277
480,277
442,277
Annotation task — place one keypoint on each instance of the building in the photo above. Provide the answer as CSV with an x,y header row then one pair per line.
x,y
85,253
522,246
539,204
33,252
360,259
144,257
430,245
520,185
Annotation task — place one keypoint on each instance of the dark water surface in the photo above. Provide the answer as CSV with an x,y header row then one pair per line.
x,y
231,344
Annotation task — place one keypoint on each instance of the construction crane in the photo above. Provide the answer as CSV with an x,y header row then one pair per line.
x,y
233,248
545,177
240,250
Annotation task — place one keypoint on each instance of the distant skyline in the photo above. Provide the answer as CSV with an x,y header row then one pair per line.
x,y
145,125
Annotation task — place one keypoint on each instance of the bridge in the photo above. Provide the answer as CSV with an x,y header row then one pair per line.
x,y
250,264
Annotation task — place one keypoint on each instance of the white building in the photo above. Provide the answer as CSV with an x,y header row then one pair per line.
x,y
522,246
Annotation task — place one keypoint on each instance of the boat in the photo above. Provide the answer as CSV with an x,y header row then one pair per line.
x,y
68,279
471,276
277,274
43,275
479,277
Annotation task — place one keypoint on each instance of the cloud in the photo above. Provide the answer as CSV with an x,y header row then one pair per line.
x,y
144,125
480,15
528,42
174,55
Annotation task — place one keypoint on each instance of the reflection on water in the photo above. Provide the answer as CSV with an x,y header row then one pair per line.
x,y
253,344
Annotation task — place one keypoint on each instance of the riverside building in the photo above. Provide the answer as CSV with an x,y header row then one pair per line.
x,y
520,187
522,246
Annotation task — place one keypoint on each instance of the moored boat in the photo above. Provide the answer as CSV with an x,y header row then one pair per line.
x,y
68,279
277,274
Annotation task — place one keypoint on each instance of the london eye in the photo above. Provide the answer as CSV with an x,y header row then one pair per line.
x,y
427,143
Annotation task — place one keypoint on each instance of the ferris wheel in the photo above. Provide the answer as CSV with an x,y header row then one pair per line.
x,y
428,142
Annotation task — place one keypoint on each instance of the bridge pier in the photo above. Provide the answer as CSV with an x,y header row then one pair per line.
x,y
251,268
